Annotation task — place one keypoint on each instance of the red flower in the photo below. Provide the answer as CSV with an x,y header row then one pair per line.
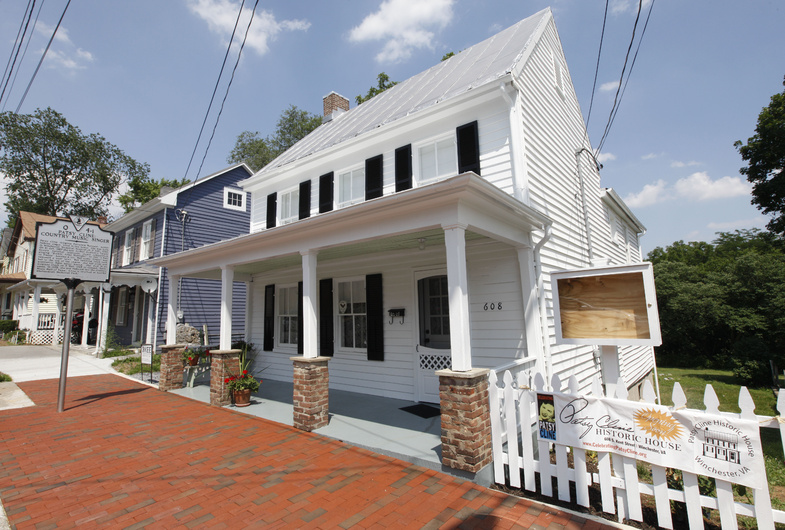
x,y
226,380
245,372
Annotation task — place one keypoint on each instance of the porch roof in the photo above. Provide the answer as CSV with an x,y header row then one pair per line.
x,y
390,222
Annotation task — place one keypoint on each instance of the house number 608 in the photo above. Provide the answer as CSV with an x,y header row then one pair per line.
x,y
493,306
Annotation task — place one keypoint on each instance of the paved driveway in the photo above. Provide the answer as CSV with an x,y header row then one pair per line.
x,y
125,455
31,363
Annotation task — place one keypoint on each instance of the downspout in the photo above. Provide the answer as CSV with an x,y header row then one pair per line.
x,y
546,342
583,203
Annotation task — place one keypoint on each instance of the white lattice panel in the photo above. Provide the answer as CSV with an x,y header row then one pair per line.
x,y
433,362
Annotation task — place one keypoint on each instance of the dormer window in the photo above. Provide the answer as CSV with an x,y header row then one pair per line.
x,y
234,199
351,187
437,159
289,206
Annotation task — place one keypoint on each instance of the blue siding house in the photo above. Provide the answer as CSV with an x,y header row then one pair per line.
x,y
207,211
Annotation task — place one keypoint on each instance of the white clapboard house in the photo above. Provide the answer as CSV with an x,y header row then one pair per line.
x,y
417,232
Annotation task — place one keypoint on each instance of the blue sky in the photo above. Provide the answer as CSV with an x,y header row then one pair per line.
x,y
141,74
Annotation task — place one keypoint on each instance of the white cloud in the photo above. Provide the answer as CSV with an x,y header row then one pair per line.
x,y
756,222
605,157
404,25
650,194
699,186
608,87
63,53
221,15
678,164
622,6
650,156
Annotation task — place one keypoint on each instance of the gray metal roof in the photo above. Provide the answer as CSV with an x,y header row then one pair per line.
x,y
476,66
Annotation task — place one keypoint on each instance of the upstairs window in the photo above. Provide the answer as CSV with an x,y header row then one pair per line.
x,y
234,199
289,206
147,241
129,247
436,159
351,187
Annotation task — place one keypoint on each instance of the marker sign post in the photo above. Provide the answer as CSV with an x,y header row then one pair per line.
x,y
72,252
147,358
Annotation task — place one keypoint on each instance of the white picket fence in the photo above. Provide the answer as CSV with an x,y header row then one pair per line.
x,y
516,448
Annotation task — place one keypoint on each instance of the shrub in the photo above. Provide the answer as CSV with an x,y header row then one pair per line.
x,y
8,325
751,362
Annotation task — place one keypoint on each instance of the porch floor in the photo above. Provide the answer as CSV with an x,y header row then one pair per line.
x,y
371,422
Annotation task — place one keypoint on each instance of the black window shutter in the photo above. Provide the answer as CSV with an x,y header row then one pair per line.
x,y
374,182
269,317
326,192
375,317
300,334
326,333
151,248
305,199
272,207
403,168
468,148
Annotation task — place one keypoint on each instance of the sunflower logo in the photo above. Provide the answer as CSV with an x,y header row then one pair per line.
x,y
658,424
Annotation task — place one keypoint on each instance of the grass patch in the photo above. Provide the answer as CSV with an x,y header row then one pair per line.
x,y
4,378
118,353
134,366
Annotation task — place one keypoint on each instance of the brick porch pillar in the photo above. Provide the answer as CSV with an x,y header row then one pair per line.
x,y
171,367
224,363
311,392
466,420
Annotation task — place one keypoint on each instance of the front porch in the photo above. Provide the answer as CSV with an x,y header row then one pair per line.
x,y
375,423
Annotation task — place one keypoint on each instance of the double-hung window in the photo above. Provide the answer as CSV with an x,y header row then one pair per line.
x,y
436,159
351,187
129,246
289,206
352,314
147,231
288,323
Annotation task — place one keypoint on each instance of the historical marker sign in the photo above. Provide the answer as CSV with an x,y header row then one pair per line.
x,y
72,249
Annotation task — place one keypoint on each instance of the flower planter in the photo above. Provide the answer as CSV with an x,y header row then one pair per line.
x,y
242,398
193,361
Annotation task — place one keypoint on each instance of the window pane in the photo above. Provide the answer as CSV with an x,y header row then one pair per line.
x,y
447,157
427,162
360,332
294,328
346,332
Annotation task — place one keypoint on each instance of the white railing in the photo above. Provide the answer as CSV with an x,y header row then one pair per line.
x,y
517,446
46,321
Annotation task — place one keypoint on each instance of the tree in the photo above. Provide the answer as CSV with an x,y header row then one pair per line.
x,y
383,83
293,125
765,155
141,189
54,169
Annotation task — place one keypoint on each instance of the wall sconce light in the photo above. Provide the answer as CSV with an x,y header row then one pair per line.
x,y
180,316
421,241
397,313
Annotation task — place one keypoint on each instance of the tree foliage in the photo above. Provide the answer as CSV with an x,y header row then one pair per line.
x,y
142,189
382,83
54,169
722,304
293,125
765,156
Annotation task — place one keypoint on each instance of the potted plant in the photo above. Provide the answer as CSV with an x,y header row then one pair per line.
x,y
241,387
191,356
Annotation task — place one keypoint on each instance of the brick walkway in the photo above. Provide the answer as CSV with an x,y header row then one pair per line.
x,y
124,455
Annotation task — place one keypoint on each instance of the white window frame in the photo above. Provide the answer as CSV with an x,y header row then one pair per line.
x,y
558,75
120,310
290,313
128,245
289,206
348,311
146,240
355,173
228,192
441,172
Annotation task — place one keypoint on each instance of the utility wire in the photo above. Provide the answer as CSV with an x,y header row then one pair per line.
x,y
597,68
16,41
24,54
215,89
632,65
18,47
617,99
43,55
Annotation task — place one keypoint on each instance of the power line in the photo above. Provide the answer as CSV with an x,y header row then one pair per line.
x,y
18,46
622,83
215,89
24,53
597,68
43,55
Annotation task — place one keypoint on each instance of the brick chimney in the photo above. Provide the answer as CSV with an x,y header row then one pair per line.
x,y
334,104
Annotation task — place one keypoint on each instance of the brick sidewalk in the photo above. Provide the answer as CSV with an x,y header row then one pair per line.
x,y
124,455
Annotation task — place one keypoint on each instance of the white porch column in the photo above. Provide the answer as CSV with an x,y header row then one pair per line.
x,y
171,311
310,290
248,309
103,321
36,301
457,284
227,281
531,311
58,316
148,337
86,313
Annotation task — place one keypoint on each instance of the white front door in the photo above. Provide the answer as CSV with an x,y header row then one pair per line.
x,y
433,332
